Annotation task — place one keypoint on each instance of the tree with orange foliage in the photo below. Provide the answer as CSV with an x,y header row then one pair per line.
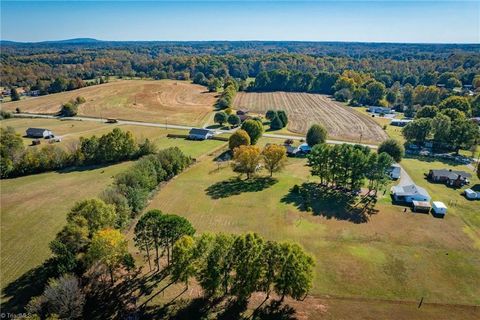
x,y
246,159
274,157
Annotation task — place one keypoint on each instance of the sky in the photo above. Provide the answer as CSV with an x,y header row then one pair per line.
x,y
439,21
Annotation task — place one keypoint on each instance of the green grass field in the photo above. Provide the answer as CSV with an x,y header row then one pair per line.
x,y
395,256
33,208
459,206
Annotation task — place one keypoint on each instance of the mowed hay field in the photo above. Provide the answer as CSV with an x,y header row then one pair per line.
x,y
305,109
393,256
175,102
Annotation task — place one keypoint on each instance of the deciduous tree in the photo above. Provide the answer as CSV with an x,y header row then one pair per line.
x,y
246,159
393,148
254,129
274,157
238,138
108,247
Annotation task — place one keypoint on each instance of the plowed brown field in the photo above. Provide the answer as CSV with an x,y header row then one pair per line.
x,y
305,109
177,102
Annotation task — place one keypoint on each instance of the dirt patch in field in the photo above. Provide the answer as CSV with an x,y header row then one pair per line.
x,y
165,101
305,109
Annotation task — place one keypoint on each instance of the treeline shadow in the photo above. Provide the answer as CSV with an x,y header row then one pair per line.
x,y
331,203
219,308
236,186
18,293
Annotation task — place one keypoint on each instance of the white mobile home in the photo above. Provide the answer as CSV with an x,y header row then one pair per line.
x,y
410,193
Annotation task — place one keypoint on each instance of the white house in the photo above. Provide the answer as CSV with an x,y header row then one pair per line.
x,y
200,134
39,133
377,109
409,193
400,122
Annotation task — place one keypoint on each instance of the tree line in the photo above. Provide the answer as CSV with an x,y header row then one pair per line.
x,y
361,88
17,160
54,67
92,238
224,264
447,126
348,166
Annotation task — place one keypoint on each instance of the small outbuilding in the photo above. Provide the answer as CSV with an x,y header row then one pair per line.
x,y
472,195
39,133
200,134
439,208
421,206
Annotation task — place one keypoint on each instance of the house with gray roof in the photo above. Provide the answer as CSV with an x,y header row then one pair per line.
x,y
453,178
39,133
410,193
200,134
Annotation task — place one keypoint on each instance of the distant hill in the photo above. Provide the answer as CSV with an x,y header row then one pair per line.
x,y
66,41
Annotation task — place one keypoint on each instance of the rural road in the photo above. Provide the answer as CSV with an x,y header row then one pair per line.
x,y
174,126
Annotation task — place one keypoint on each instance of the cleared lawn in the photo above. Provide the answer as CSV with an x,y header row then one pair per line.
x,y
458,206
393,256
33,208
175,102
305,109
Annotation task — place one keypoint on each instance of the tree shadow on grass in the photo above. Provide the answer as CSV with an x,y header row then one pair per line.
x,y
275,310
236,186
192,309
30,284
331,203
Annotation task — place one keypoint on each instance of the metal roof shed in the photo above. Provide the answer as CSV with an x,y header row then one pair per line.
x,y
439,208
421,206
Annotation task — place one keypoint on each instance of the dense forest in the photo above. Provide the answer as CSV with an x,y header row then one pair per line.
x,y
65,65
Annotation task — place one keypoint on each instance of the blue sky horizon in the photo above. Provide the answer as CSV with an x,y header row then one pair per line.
x,y
400,21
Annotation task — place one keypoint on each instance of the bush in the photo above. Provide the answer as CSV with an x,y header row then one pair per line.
x,y
69,109
343,95
316,134
5,114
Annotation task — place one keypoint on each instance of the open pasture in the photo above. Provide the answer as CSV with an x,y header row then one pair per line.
x,y
304,109
175,102
389,255
34,207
